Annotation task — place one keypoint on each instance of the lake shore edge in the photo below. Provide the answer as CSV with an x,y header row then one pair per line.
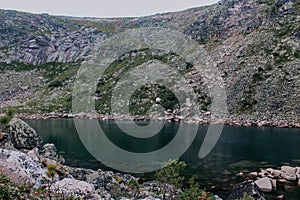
x,y
238,121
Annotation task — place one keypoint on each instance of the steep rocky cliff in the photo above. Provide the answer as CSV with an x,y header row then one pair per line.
x,y
255,43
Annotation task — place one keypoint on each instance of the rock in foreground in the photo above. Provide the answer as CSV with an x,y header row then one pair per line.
x,y
248,187
22,135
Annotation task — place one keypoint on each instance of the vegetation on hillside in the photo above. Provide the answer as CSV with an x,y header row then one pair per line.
x,y
8,116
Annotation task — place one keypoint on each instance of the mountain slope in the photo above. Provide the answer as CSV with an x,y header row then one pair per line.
x,y
255,44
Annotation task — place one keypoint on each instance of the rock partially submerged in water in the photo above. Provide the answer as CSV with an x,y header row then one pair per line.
x,y
248,187
264,184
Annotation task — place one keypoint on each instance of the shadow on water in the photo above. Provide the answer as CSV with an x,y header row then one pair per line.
x,y
239,149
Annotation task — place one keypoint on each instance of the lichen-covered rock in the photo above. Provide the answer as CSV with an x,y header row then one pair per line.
x,y
22,135
73,187
288,169
49,151
248,187
22,169
5,141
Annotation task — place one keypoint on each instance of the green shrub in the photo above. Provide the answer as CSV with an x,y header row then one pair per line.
x,y
257,77
4,120
194,192
11,112
170,174
51,172
55,84
269,67
8,116
9,191
246,197
135,187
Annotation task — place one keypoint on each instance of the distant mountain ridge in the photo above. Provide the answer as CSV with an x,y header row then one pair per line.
x,y
255,43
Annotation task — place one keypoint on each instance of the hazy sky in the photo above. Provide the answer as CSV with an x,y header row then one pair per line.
x,y
102,8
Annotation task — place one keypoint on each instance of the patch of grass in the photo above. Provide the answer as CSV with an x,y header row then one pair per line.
x,y
8,116
297,54
54,84
267,2
269,67
257,77
10,191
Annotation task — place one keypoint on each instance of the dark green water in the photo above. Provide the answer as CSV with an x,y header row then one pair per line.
x,y
239,149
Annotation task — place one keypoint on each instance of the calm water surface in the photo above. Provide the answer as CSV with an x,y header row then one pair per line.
x,y
239,149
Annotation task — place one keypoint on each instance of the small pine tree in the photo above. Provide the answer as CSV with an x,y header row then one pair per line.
x,y
51,173
170,174
194,192
134,185
8,116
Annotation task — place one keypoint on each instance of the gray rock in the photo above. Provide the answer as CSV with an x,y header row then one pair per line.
x,y
297,170
288,169
5,141
289,177
264,184
73,187
277,172
216,197
274,183
22,135
270,170
248,187
253,174
49,151
22,169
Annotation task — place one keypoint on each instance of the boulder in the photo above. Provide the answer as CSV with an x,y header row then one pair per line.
x,y
22,135
297,170
49,151
289,177
34,154
281,180
69,186
280,196
277,172
16,173
5,141
216,197
22,169
274,183
264,184
270,170
288,169
253,174
248,187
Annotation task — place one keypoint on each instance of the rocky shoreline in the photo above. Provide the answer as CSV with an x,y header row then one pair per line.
x,y
24,160
169,117
271,179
